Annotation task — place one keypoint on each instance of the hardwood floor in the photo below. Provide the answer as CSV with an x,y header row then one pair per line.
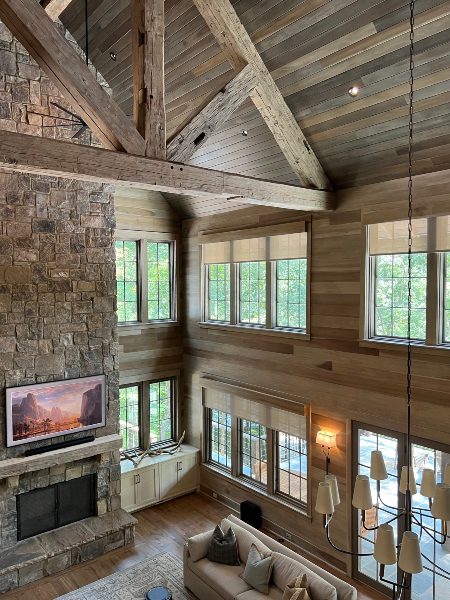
x,y
164,528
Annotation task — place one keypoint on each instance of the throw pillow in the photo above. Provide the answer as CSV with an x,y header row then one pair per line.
x,y
223,547
297,589
258,570
286,569
245,539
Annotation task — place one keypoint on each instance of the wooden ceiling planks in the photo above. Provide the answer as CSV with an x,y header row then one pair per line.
x,y
315,50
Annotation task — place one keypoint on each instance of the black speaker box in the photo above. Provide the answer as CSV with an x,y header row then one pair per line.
x,y
251,513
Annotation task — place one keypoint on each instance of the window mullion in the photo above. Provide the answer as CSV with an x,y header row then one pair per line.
x,y
234,293
271,454
270,291
143,281
144,414
434,299
236,467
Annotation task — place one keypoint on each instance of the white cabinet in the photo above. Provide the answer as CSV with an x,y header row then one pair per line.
x,y
159,478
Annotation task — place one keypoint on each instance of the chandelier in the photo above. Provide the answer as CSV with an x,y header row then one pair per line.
x,y
407,554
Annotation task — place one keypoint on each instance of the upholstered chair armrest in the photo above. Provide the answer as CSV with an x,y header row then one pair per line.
x,y
198,545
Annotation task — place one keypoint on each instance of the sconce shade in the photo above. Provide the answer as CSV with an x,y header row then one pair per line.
x,y
325,438
410,560
324,500
331,479
428,485
362,494
377,466
440,509
404,481
385,551
447,474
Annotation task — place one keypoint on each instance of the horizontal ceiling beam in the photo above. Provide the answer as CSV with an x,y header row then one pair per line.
x,y
43,156
30,24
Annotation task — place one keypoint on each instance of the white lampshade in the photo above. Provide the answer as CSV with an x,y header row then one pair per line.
x,y
447,474
377,466
331,479
385,551
404,481
410,560
324,500
440,509
428,485
362,494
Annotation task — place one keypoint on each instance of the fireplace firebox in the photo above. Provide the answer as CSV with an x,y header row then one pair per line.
x,y
51,507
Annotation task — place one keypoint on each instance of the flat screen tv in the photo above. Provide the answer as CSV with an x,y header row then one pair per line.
x,y
46,410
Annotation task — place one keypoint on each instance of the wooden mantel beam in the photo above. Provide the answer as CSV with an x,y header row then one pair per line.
x,y
30,154
234,40
30,24
149,110
54,8
215,114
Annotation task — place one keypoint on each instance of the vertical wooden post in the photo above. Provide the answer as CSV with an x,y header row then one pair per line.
x,y
148,74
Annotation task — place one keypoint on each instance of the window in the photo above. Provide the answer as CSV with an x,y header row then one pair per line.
x,y
428,584
148,413
219,438
259,282
387,267
244,438
145,272
127,281
129,416
219,305
292,467
253,451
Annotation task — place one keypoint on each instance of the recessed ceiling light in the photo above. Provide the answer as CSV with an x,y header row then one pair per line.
x,y
113,56
353,91
244,132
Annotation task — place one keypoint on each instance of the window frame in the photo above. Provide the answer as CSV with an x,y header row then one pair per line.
x,y
144,410
270,327
138,386
435,298
278,492
257,483
209,445
142,239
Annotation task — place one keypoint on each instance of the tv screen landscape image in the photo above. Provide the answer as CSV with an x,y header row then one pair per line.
x,y
46,410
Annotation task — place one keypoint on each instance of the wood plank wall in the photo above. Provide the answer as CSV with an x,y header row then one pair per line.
x,y
147,352
338,378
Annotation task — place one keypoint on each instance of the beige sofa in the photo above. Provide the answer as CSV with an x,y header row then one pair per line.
x,y
214,581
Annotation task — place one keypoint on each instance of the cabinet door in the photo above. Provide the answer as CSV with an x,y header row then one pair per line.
x,y
187,473
128,491
147,487
168,479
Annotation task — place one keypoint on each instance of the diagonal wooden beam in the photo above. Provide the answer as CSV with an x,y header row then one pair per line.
x,y
31,25
215,114
30,154
54,8
148,74
240,50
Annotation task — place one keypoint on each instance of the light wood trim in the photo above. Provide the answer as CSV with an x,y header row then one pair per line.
x,y
233,38
151,236
210,118
245,330
206,237
31,154
149,376
365,284
31,25
54,8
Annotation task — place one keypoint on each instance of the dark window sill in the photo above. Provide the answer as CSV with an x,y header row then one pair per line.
x,y
256,329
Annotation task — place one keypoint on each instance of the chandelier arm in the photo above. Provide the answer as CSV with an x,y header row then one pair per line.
x,y
327,529
394,518
428,532
446,574
398,508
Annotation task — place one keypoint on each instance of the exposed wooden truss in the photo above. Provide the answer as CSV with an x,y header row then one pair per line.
x,y
64,159
240,50
31,25
215,114
148,74
55,7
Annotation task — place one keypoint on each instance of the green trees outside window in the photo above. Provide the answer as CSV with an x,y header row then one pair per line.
x,y
391,296
254,451
220,438
252,293
291,277
127,281
219,303
161,411
129,416
159,280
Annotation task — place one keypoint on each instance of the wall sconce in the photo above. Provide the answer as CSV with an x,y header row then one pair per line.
x,y
327,440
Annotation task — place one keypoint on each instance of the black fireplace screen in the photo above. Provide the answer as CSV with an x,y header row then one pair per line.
x,y
54,506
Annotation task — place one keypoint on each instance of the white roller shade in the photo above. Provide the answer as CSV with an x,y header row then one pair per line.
x,y
250,250
443,234
216,253
289,245
392,238
272,417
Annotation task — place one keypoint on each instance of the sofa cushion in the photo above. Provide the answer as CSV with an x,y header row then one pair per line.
x,y
224,579
274,594
286,569
245,539
198,545
223,547
258,570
